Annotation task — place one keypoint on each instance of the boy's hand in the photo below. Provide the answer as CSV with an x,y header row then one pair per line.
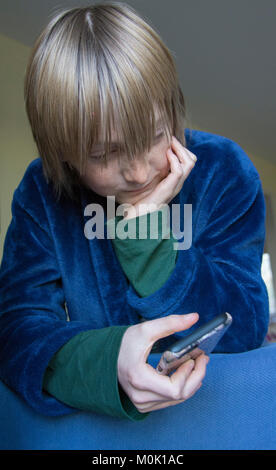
x,y
146,388
181,162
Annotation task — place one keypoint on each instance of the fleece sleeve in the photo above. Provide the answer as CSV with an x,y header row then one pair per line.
x,y
33,322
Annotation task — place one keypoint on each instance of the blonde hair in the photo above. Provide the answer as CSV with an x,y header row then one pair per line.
x,y
95,69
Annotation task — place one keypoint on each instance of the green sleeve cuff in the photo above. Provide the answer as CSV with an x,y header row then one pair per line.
x,y
83,374
145,248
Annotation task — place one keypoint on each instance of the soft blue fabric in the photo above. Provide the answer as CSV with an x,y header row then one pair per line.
x,y
234,409
48,261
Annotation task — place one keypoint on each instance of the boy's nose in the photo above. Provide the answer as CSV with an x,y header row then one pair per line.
x,y
136,171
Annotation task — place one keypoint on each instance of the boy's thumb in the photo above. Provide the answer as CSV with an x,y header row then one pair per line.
x,y
165,326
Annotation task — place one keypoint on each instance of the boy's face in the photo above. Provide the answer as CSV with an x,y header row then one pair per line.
x,y
128,181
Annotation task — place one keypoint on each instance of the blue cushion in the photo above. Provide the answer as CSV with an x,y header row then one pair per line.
x,y
234,409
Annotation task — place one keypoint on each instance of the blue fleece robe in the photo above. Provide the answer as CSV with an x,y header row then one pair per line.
x,y
48,261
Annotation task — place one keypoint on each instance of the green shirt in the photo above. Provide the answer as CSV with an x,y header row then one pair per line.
x,y
83,373
147,262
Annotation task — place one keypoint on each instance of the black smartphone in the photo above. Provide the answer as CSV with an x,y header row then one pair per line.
x,y
202,340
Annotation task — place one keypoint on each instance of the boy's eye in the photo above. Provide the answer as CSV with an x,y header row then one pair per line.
x,y
114,152
102,155
96,157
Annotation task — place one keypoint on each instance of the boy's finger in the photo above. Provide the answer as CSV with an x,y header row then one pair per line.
x,y
197,375
178,161
182,151
170,388
179,169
